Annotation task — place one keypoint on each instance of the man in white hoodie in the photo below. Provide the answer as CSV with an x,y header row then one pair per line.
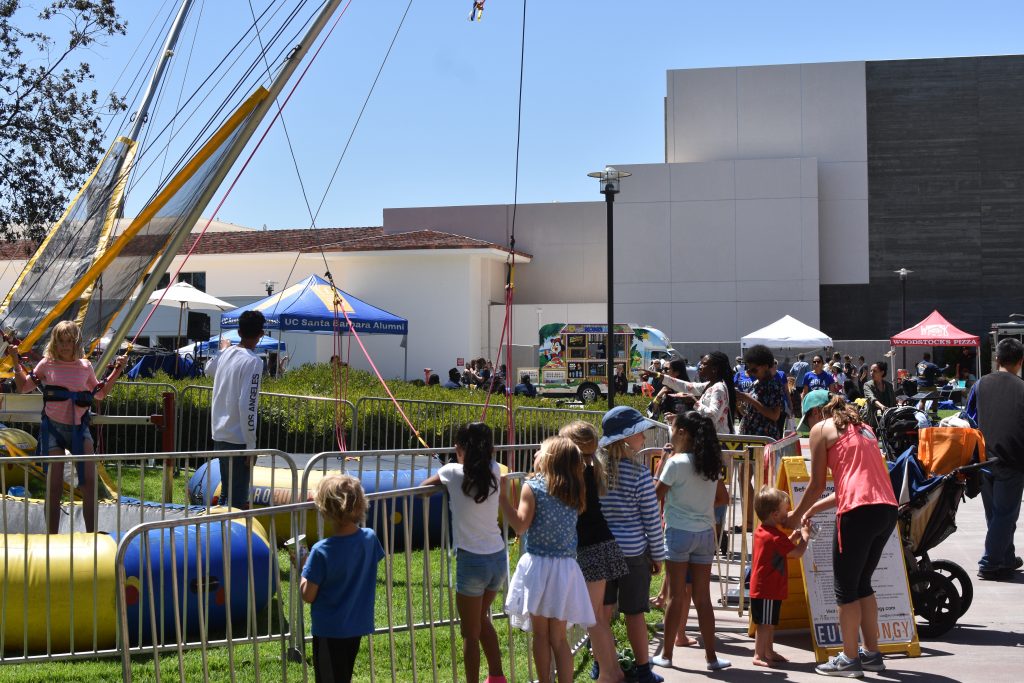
x,y
237,372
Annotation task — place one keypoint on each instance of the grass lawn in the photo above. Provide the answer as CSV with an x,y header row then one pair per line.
x,y
397,655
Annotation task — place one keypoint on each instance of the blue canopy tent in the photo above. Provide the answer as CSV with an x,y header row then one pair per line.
x,y
308,306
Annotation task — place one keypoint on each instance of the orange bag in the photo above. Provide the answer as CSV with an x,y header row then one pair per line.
x,y
943,449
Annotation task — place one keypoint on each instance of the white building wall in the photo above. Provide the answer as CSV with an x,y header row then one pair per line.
x,y
703,251
788,111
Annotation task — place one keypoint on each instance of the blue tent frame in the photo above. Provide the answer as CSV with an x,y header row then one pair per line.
x,y
308,306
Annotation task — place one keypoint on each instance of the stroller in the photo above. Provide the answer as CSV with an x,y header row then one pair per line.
x,y
941,590
897,429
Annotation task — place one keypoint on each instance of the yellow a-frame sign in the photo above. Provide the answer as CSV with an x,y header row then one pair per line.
x,y
812,603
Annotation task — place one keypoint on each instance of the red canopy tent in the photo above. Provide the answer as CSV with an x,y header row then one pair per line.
x,y
935,331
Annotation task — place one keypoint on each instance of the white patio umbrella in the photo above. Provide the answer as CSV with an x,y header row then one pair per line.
x,y
185,296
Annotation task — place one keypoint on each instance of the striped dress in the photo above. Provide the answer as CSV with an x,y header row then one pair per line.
x,y
631,510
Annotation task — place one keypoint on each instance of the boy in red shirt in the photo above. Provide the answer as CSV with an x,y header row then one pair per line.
x,y
769,585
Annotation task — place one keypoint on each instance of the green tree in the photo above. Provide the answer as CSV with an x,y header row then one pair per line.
x,y
50,133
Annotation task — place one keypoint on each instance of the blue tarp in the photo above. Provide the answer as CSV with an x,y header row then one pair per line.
x,y
309,307
265,343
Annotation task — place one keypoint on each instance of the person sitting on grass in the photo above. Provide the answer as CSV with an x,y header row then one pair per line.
x,y
769,583
339,579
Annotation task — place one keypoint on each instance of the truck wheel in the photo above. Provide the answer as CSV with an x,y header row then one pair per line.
x,y
588,393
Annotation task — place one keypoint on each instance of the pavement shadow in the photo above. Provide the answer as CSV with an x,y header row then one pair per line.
x,y
978,635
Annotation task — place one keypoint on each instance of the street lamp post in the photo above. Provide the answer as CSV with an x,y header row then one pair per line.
x,y
609,182
903,273
269,286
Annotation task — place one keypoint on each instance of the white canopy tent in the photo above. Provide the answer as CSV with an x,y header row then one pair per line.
x,y
787,333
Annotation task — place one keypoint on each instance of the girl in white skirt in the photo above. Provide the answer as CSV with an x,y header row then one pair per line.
x,y
548,591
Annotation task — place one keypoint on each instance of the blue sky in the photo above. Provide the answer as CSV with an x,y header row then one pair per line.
x,y
440,127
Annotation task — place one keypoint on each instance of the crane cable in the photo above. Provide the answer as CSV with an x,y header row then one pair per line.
x,y
510,260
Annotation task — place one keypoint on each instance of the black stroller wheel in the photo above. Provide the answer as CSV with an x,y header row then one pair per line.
x,y
961,580
936,600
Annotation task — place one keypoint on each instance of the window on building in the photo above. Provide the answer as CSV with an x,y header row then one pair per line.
x,y
197,279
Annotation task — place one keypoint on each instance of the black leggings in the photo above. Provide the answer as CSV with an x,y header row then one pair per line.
x,y
334,658
864,531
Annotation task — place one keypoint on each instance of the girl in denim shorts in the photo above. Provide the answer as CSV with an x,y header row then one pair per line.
x,y
687,487
482,559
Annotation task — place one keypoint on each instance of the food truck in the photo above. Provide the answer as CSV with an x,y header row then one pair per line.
x,y
572,358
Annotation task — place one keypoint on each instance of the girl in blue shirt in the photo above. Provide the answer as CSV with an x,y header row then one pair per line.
x,y
548,590
340,579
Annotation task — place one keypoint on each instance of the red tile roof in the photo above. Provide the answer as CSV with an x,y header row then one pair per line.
x,y
304,239
414,239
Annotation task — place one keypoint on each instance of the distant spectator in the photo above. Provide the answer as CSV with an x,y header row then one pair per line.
x,y
928,373
879,393
763,406
433,380
525,387
818,377
863,372
454,379
469,374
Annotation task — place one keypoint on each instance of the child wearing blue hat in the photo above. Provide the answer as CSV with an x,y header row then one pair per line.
x,y
631,509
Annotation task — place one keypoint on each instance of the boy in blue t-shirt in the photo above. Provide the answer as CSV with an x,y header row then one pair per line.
x,y
339,579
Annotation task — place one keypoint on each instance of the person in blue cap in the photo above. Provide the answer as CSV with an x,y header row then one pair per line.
x,y
630,507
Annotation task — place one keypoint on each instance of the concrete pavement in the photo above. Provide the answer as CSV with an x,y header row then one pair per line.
x,y
987,644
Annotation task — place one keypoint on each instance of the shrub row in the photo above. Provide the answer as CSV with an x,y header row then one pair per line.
x,y
296,424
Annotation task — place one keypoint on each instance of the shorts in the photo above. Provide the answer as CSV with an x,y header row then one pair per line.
x,y
476,574
697,547
334,659
765,612
633,590
864,531
62,436
602,561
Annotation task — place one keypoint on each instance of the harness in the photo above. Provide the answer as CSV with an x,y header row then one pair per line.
x,y
83,399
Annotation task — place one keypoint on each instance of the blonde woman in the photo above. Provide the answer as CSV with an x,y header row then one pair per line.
x,y
69,387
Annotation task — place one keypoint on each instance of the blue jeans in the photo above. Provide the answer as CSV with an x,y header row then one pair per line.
x,y
1001,490
235,475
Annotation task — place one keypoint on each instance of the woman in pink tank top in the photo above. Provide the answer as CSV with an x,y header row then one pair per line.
x,y
865,517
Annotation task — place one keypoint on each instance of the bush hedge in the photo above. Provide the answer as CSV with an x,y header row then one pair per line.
x,y
296,418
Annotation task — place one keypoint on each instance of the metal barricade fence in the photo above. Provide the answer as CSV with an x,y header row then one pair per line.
x,y
416,617
381,426
287,422
130,420
52,609
135,399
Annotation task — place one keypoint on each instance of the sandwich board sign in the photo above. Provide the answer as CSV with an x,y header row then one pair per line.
x,y
897,631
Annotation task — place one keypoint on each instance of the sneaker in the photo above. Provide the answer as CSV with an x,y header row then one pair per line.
x,y
719,664
645,675
595,670
842,667
871,661
1001,574
1018,562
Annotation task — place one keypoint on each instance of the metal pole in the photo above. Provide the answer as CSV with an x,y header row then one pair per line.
x,y
165,56
241,140
609,346
903,311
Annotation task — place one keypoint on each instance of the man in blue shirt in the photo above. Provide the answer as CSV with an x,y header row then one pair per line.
x,y
799,369
525,387
454,379
927,373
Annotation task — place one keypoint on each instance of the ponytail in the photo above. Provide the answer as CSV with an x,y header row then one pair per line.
x,y
477,444
707,452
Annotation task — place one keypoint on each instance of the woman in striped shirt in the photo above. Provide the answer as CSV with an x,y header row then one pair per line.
x,y
631,509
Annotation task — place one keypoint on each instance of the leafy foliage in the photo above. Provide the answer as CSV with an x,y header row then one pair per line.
x,y
292,423
50,134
